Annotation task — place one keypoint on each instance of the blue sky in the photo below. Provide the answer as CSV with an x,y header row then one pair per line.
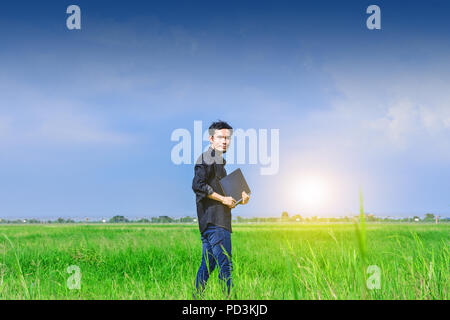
x,y
86,116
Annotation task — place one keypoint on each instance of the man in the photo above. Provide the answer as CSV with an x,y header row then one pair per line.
x,y
214,208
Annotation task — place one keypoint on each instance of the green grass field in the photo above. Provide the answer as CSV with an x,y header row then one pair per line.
x,y
270,261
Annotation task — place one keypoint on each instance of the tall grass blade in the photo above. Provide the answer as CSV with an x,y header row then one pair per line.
x,y
19,267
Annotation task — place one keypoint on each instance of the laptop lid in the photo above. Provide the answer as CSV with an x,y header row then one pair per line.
x,y
233,184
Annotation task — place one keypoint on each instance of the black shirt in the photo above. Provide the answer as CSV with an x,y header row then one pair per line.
x,y
209,168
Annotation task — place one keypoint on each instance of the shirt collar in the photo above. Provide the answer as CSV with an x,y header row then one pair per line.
x,y
212,155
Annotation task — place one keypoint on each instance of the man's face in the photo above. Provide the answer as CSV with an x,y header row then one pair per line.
x,y
221,139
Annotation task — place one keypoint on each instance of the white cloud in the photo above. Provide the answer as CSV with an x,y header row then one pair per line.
x,y
405,120
385,114
70,125
31,117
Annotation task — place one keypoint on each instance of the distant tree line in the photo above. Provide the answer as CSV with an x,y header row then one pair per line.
x,y
115,219
429,217
285,217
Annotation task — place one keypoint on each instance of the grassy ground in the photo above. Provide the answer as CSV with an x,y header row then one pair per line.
x,y
270,261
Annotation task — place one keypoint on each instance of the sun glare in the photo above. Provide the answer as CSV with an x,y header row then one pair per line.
x,y
312,193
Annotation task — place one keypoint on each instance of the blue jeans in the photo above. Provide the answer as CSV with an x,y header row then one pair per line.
x,y
216,251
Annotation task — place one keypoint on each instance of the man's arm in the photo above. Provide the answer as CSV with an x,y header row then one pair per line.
x,y
228,201
203,189
199,183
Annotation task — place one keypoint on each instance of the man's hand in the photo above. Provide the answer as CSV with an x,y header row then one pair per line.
x,y
229,201
245,197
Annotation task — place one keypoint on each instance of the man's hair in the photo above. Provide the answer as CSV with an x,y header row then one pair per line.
x,y
217,125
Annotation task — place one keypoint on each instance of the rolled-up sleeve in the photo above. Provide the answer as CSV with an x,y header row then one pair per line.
x,y
199,183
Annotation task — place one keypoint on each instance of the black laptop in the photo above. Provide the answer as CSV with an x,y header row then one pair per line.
x,y
233,185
